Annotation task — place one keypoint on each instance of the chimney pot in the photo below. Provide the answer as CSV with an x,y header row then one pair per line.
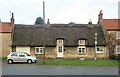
x,y
12,15
12,19
90,22
48,21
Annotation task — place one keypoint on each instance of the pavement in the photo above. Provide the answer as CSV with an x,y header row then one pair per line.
x,y
35,69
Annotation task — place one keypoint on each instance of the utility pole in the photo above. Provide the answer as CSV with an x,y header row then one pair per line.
x,y
43,12
95,57
44,29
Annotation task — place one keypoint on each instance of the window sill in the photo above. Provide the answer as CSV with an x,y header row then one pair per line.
x,y
99,52
118,38
39,53
117,53
82,45
81,53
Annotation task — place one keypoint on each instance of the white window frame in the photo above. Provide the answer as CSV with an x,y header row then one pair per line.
x,y
117,50
118,35
40,48
60,42
80,42
82,48
62,48
101,49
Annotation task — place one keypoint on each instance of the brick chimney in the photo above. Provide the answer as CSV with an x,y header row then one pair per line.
x,y
12,19
100,16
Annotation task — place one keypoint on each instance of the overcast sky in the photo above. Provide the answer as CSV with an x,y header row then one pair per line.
x,y
58,11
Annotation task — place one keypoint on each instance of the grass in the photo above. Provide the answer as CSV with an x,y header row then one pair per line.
x,y
77,62
3,58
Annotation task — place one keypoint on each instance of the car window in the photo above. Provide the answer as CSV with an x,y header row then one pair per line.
x,y
26,54
21,55
14,54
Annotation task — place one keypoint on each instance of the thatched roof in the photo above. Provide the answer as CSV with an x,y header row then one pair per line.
x,y
34,35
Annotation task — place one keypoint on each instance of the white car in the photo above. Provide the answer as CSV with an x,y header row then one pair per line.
x,y
20,57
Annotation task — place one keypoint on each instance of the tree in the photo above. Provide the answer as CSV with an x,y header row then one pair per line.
x,y
111,43
39,20
72,23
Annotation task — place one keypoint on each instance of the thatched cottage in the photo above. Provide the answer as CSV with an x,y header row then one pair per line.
x,y
60,40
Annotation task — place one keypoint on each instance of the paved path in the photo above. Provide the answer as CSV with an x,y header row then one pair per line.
x,y
34,69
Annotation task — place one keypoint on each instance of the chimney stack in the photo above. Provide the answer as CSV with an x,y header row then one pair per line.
x,y
12,19
48,22
90,22
100,16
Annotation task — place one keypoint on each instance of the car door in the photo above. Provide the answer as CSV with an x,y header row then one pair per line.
x,y
14,57
22,57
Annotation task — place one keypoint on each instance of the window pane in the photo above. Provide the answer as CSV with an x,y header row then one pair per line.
x,y
82,42
41,50
37,50
80,50
118,49
118,35
60,49
21,55
98,49
101,49
83,50
59,41
14,54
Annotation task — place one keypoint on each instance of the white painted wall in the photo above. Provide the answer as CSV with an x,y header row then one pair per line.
x,y
23,49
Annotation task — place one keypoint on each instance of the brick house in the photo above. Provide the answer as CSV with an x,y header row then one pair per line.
x,y
5,34
60,40
112,27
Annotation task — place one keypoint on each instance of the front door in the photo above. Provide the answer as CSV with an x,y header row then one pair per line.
x,y
60,51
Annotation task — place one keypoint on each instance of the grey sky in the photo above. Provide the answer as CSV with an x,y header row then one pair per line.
x,y
119,10
58,11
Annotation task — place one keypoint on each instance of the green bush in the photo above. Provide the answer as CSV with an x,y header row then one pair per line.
x,y
3,58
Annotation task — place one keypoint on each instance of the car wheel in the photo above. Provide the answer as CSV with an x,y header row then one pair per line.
x,y
10,61
29,61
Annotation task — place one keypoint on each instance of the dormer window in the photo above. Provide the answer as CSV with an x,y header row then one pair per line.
x,y
60,41
81,42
